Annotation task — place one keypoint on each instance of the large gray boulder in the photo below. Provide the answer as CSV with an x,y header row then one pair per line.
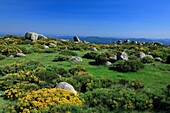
x,y
123,56
40,36
34,36
75,59
76,39
66,86
20,55
140,55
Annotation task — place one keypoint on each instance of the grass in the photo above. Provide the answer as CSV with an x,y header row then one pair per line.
x,y
155,76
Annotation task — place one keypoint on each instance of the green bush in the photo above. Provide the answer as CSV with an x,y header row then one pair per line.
x,y
136,84
127,66
18,66
91,55
61,58
101,58
88,83
69,53
147,59
118,98
49,50
10,50
51,74
2,57
133,57
77,69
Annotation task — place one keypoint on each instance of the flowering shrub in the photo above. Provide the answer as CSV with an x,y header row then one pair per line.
x,y
18,66
19,89
46,99
10,50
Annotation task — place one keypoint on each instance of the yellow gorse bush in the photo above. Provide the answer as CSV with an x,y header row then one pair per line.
x,y
46,99
11,50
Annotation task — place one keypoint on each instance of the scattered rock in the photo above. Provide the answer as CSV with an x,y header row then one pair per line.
x,y
20,55
75,59
6,38
85,42
76,39
52,45
134,42
119,42
107,63
113,57
66,86
11,56
158,59
45,46
93,49
140,55
34,36
123,56
127,41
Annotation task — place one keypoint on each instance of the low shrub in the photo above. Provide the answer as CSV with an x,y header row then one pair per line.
x,y
10,50
18,66
136,84
68,53
44,100
88,83
127,66
77,69
147,59
118,98
51,74
91,55
101,58
2,57
61,58
49,50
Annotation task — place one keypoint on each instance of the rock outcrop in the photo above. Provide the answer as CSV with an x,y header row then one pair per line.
x,y
34,36
76,39
122,56
140,55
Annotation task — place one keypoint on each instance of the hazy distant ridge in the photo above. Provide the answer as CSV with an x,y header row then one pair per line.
x,y
108,40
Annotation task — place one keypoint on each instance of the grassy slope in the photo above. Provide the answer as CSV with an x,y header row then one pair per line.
x,y
154,76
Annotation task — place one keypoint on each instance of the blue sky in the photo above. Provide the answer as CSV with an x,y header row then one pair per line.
x,y
116,18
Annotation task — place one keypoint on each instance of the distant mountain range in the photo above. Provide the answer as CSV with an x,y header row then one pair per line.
x,y
106,40
109,40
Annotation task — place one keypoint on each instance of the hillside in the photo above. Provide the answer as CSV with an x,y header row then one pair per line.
x,y
40,74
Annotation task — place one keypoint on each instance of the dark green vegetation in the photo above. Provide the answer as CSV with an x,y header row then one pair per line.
x,y
135,85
